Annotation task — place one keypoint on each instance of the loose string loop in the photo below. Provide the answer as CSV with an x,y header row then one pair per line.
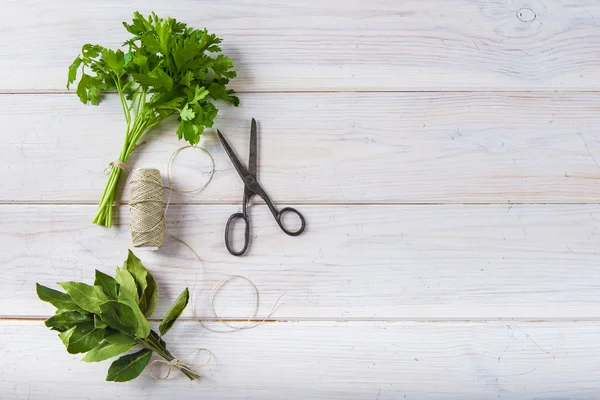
x,y
245,325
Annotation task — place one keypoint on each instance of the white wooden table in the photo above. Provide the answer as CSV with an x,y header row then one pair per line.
x,y
446,155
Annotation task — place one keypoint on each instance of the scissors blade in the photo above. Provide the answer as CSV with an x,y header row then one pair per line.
x,y
239,167
253,161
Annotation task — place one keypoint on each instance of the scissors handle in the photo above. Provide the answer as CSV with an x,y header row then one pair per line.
x,y
244,217
279,215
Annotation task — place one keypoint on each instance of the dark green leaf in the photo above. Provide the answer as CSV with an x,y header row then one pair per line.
x,y
187,78
171,104
139,25
196,93
120,339
65,320
174,312
98,322
137,271
73,71
206,115
143,327
129,367
107,283
150,298
91,50
115,60
106,350
222,66
127,283
158,79
60,300
88,89
66,336
85,296
82,337
189,131
119,316
82,91
219,92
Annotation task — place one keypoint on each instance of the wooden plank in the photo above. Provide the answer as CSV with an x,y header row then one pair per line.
x,y
312,360
326,148
353,262
333,45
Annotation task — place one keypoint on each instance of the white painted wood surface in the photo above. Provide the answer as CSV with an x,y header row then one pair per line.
x,y
354,262
340,148
317,45
453,208
331,360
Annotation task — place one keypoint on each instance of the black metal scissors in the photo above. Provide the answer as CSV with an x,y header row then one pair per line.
x,y
252,187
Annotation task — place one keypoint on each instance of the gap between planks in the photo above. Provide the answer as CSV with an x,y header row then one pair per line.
x,y
492,321
306,203
424,90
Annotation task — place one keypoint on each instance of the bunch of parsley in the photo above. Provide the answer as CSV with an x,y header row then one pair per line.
x,y
168,69
108,318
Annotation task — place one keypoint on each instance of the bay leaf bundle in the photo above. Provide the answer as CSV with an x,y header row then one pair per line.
x,y
109,318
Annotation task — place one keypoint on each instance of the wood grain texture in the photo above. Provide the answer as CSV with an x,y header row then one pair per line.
x,y
332,45
352,263
366,360
326,148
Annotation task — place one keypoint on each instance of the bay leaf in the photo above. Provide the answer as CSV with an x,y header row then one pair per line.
x,y
107,283
98,322
138,271
106,350
66,320
125,279
143,327
83,338
174,312
149,299
66,336
60,300
119,316
119,338
129,367
85,296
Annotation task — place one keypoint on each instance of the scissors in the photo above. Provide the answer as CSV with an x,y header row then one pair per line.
x,y
252,187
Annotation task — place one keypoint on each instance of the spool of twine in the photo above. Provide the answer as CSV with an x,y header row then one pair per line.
x,y
146,208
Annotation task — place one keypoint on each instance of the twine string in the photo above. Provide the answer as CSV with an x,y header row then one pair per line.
x,y
114,164
118,163
146,208
245,325
178,363
147,227
224,281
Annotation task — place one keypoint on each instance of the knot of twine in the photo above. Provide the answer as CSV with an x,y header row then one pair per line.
x,y
177,363
114,164
146,208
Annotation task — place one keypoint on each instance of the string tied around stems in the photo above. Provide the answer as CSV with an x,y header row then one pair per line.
x,y
178,363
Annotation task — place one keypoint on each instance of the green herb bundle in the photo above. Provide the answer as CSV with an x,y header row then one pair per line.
x,y
108,318
166,69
